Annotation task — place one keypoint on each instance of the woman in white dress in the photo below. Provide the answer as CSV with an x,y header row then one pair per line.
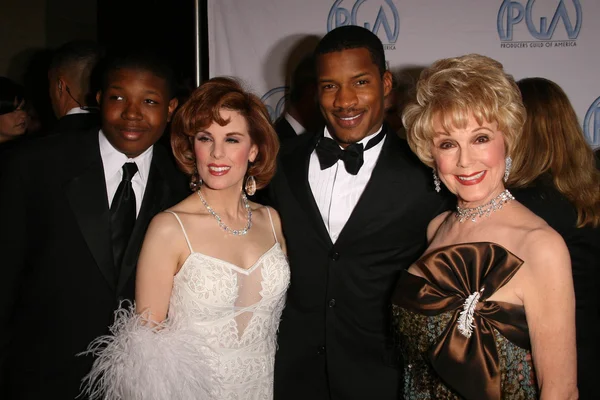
x,y
212,273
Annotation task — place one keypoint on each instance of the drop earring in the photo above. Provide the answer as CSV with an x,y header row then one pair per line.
x,y
436,181
195,180
250,186
507,168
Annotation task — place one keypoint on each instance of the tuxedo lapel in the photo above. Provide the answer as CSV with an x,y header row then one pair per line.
x,y
379,192
295,166
155,199
86,193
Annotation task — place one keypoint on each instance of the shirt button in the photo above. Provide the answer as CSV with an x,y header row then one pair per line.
x,y
332,303
321,350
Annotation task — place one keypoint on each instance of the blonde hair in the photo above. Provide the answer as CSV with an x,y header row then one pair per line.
x,y
453,89
553,135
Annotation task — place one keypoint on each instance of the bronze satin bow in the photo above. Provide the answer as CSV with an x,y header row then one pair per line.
x,y
452,274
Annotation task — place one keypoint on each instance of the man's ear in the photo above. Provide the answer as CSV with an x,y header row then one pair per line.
x,y
61,85
99,97
387,82
173,103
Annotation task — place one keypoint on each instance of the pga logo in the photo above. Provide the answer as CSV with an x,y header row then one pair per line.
x,y
567,14
591,124
379,16
274,100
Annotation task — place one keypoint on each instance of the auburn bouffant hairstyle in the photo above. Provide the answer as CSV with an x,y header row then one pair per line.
x,y
553,146
203,108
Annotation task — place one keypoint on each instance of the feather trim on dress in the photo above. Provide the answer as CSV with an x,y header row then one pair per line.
x,y
143,360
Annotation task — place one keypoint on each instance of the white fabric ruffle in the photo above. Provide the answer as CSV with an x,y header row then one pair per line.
x,y
143,360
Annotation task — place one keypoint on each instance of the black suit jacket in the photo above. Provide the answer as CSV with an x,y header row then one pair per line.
x,y
284,130
584,248
335,337
73,122
59,287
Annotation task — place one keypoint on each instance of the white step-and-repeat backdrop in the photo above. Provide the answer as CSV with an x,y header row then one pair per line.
x,y
261,41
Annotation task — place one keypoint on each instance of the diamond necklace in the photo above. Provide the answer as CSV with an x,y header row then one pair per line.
x,y
486,209
222,225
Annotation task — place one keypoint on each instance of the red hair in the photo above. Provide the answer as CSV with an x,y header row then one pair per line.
x,y
203,108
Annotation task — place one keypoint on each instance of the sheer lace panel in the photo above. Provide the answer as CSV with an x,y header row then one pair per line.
x,y
249,294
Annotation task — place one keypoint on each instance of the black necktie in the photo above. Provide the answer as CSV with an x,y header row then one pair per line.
x,y
122,214
329,152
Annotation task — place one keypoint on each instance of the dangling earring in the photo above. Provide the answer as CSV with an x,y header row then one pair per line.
x,y
507,168
195,180
436,181
250,186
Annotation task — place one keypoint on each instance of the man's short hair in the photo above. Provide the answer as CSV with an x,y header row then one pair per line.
x,y
83,53
143,60
353,37
78,60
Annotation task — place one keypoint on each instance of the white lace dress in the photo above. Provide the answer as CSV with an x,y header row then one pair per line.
x,y
218,342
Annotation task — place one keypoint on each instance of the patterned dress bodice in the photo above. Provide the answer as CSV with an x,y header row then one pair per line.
x,y
455,343
419,333
237,312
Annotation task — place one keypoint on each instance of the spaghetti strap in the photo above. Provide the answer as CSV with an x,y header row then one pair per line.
x,y
272,227
183,229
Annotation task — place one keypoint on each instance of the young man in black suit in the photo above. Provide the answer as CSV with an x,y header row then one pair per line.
x,y
355,204
73,212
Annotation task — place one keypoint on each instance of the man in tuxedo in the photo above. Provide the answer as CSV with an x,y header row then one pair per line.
x,y
74,209
355,204
70,86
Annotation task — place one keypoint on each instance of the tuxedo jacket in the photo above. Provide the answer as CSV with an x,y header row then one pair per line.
x,y
284,130
336,340
77,122
59,287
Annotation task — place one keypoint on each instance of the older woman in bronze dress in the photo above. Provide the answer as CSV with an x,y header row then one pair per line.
x,y
493,293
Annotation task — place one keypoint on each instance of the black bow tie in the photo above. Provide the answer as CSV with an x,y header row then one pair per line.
x,y
329,152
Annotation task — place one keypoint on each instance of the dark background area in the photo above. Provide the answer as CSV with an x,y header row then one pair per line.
x,y
165,25
30,29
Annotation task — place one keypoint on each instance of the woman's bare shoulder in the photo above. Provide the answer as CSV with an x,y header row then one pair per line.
x,y
434,225
189,205
542,245
267,213
542,249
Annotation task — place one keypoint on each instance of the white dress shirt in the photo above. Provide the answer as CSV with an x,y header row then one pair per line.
x,y
77,110
337,192
113,161
296,126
